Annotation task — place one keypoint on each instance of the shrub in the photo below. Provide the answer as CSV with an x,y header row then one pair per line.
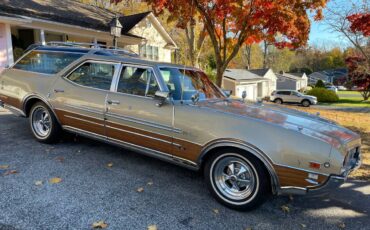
x,y
323,95
320,84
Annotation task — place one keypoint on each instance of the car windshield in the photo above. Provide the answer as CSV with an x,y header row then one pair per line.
x,y
184,84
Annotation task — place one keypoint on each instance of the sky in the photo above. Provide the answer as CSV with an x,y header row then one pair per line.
x,y
320,34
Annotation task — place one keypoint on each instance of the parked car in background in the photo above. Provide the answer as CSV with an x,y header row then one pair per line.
x,y
175,113
332,88
341,88
292,96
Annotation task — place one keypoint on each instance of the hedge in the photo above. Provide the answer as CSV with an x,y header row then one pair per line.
x,y
323,95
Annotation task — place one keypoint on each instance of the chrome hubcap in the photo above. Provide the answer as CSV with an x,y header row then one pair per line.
x,y
234,178
41,122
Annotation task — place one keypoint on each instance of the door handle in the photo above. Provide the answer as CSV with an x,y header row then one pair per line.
x,y
113,102
58,90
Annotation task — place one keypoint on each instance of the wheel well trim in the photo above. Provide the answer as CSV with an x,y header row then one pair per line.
x,y
305,99
38,97
264,158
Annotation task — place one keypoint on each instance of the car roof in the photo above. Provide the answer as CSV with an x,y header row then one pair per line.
x,y
110,54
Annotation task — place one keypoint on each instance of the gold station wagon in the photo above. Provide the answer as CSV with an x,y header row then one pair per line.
x,y
246,151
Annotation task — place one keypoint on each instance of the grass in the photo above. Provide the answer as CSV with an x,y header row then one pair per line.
x,y
349,99
358,122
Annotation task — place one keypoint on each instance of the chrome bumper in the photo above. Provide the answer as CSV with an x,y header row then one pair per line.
x,y
333,182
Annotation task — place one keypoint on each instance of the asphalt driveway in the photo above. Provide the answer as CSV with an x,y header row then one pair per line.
x,y
171,197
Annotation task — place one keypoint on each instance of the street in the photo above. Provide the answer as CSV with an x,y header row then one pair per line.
x,y
131,191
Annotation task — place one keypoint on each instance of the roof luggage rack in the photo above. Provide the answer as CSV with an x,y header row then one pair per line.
x,y
99,47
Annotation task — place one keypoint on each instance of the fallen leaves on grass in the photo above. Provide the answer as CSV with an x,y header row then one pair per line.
x,y
152,227
38,182
55,180
285,208
303,225
4,166
10,172
100,224
141,189
110,165
216,211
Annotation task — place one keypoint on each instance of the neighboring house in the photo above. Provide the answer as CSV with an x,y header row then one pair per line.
x,y
257,83
25,22
293,81
335,76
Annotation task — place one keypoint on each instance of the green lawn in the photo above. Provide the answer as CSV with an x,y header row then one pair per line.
x,y
349,99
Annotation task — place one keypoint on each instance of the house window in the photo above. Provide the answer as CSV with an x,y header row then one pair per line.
x,y
149,52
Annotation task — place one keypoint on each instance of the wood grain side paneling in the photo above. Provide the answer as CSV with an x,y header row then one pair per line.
x,y
294,177
15,102
139,137
186,150
81,122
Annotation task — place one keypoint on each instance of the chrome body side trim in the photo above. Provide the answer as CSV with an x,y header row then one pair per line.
x,y
143,122
80,119
85,109
305,170
247,147
139,134
146,151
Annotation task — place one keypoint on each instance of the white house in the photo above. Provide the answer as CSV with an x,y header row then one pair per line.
x,y
257,83
25,22
293,81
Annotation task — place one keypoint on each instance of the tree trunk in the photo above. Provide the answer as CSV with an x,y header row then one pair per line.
x,y
265,46
248,50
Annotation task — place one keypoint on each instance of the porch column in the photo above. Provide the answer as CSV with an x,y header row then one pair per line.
x,y
42,37
6,48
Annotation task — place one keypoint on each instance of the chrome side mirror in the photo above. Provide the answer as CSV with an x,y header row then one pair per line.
x,y
227,92
244,95
161,97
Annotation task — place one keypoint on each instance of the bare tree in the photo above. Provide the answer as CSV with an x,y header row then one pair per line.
x,y
337,20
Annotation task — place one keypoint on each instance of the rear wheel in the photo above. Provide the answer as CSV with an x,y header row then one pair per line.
x,y
306,103
44,125
237,179
278,101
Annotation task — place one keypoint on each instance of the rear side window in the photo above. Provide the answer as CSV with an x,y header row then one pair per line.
x,y
93,74
46,62
283,92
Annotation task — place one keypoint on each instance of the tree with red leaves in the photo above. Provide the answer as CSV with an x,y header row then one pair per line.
x,y
360,23
358,76
231,23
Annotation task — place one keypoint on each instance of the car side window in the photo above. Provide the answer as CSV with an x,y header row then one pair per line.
x,y
137,81
93,74
46,62
284,93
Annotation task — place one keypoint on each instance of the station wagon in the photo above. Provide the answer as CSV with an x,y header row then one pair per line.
x,y
173,112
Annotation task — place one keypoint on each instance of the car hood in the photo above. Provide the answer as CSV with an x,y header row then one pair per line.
x,y
308,124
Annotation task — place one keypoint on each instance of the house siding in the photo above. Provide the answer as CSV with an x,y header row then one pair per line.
x,y
147,30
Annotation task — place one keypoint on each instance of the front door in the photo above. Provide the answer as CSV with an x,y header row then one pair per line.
x,y
133,115
79,98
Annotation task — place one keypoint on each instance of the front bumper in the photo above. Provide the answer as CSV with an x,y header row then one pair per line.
x,y
333,182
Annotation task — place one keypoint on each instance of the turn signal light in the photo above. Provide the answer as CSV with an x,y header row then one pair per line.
x,y
315,165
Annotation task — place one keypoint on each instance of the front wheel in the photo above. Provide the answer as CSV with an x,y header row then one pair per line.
x,y
237,179
306,103
44,125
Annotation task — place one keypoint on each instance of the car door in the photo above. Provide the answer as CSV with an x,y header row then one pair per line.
x,y
134,117
79,97
295,97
